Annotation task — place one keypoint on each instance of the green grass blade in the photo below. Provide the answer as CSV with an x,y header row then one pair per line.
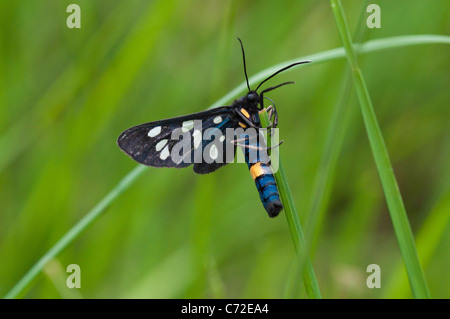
x,y
75,231
428,238
309,277
392,193
324,177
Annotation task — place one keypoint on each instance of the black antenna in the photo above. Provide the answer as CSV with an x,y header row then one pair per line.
x,y
275,87
279,71
245,67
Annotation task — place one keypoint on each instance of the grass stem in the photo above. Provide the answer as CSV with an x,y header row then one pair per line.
x,y
75,231
385,170
309,277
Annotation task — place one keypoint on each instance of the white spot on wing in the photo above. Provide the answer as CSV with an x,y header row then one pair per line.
x,y
197,138
187,125
217,119
222,138
154,131
161,144
165,153
213,152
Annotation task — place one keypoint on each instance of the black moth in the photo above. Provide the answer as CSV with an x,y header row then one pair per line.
x,y
154,144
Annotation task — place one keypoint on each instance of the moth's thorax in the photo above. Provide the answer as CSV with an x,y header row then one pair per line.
x,y
250,104
252,114
247,117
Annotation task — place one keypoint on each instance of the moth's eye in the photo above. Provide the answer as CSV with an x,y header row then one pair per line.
x,y
251,97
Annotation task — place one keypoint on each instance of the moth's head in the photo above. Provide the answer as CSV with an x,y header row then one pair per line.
x,y
253,98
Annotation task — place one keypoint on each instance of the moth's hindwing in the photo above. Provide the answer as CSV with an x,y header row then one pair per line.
x,y
177,142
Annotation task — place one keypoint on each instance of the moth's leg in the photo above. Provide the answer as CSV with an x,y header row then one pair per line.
x,y
273,116
270,112
247,138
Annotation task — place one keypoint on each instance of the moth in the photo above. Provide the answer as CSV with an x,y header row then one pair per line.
x,y
206,138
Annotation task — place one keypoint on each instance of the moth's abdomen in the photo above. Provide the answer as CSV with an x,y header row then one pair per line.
x,y
258,161
267,187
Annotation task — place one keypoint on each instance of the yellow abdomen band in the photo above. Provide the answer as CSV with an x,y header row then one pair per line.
x,y
258,170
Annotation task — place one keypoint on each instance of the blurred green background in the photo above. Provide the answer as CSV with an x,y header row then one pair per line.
x,y
66,94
